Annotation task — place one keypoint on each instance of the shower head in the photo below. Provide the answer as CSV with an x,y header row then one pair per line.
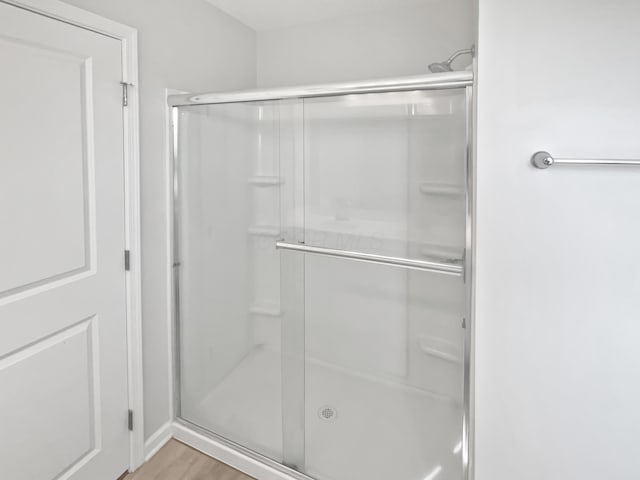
x,y
440,67
445,66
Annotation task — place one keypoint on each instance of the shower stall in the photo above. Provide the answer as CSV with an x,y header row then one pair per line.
x,y
322,273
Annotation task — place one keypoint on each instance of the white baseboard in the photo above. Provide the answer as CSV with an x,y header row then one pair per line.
x,y
245,464
156,441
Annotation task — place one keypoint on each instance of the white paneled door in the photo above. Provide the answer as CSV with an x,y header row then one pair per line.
x,y
63,346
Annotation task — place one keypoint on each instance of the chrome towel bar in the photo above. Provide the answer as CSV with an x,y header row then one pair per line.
x,y
544,160
446,268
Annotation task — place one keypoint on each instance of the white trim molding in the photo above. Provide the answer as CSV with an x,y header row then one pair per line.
x,y
157,440
128,38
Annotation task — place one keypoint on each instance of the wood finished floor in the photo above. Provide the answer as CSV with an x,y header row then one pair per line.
x,y
177,461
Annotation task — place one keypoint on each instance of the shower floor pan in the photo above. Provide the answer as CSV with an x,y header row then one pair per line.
x,y
356,428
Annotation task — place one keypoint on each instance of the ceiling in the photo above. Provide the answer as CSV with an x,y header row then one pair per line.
x,y
272,14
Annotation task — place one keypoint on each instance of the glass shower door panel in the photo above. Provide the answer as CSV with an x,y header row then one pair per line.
x,y
228,220
385,174
383,372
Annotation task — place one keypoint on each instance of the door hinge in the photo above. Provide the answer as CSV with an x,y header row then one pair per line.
x,y
464,323
127,260
130,420
125,93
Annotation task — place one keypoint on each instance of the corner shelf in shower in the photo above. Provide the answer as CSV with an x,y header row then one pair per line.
x,y
266,309
442,253
436,347
265,181
442,189
264,231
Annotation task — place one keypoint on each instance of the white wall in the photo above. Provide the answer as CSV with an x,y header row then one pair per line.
x,y
186,45
558,263
380,44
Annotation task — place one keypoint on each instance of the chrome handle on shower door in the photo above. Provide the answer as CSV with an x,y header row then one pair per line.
x,y
436,267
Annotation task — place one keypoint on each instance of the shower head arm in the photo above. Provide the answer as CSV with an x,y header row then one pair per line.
x,y
471,51
446,65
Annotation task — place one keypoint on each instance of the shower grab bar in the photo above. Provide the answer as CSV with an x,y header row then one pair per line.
x,y
445,268
544,160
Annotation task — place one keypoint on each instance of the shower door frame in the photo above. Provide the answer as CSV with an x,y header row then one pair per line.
x,y
237,455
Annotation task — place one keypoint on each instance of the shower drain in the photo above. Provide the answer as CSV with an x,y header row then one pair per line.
x,y
327,413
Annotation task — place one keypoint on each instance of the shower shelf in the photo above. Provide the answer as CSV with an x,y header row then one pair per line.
x,y
264,231
264,181
443,189
440,349
268,310
442,253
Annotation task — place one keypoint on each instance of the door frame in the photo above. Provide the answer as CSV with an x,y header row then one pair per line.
x,y
128,38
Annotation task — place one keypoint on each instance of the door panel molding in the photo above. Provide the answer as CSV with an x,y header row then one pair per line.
x,y
80,417
128,38
31,262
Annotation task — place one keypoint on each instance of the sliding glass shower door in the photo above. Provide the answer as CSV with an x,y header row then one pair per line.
x,y
322,293
227,219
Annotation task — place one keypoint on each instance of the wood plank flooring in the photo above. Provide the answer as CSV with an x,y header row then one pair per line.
x,y
177,461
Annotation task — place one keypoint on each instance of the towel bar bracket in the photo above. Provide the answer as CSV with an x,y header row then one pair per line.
x,y
542,160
